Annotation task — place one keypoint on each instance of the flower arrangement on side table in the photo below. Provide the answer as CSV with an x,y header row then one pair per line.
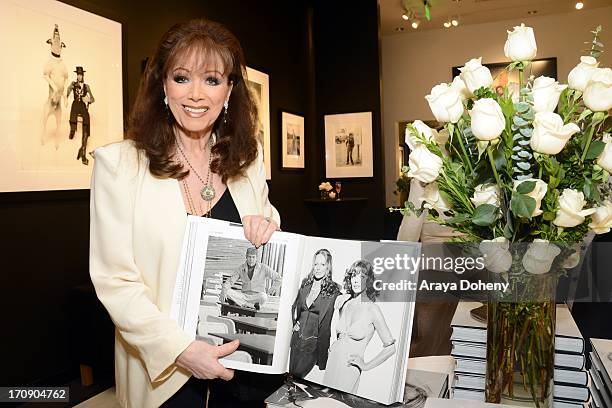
x,y
524,184
325,188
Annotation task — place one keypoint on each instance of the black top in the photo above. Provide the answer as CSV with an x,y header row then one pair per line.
x,y
225,209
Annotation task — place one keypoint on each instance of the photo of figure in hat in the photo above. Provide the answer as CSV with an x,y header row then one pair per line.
x,y
80,107
56,75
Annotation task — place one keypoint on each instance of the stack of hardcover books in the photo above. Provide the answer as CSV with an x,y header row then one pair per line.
x,y
469,339
601,371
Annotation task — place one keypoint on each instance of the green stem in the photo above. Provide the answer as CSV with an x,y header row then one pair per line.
x,y
492,161
588,143
540,172
466,157
521,70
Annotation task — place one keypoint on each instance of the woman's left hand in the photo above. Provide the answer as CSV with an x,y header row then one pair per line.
x,y
258,229
358,362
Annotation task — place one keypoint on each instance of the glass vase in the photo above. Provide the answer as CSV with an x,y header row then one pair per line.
x,y
521,341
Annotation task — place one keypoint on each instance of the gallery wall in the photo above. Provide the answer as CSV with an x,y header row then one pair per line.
x,y
413,62
348,80
314,69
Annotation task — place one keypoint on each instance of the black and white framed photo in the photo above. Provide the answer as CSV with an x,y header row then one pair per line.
x,y
292,134
348,145
259,85
64,94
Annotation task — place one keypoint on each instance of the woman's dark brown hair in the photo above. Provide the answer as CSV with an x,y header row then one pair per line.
x,y
361,267
152,123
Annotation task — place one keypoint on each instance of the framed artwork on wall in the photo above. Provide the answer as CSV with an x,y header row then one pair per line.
x,y
259,85
538,67
292,135
64,94
348,145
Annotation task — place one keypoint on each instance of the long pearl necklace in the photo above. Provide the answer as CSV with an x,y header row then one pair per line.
x,y
208,191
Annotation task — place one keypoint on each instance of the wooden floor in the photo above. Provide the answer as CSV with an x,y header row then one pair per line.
x,y
105,399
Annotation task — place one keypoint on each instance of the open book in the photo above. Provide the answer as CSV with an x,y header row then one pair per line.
x,y
334,312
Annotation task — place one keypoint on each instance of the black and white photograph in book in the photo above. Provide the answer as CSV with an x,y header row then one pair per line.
x,y
342,335
240,297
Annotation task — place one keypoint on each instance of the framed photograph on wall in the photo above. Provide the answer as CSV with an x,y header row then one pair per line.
x,y
259,84
64,94
348,145
501,77
292,135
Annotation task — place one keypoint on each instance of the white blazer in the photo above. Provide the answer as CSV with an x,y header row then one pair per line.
x,y
136,234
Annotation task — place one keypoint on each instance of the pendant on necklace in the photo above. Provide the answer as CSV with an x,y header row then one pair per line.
x,y
207,193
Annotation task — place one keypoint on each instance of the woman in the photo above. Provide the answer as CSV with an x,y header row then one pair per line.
x,y
312,312
358,319
190,150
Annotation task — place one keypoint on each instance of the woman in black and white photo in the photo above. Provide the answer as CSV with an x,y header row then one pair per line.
x,y
358,319
312,312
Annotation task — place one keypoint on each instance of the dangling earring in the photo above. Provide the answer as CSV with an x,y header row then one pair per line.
x,y
166,101
225,112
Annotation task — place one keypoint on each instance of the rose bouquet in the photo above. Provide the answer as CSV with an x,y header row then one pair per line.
x,y
522,172
325,188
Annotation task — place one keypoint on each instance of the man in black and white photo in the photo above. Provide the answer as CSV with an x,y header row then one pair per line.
x,y
350,144
80,107
254,276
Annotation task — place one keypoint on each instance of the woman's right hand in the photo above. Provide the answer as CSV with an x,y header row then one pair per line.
x,y
202,360
296,326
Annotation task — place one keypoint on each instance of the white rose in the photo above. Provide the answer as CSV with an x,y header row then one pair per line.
x,y
460,87
538,193
598,92
539,256
445,103
546,92
488,121
486,194
579,76
601,221
474,75
521,44
424,130
433,199
325,186
497,257
550,134
570,211
605,158
424,165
